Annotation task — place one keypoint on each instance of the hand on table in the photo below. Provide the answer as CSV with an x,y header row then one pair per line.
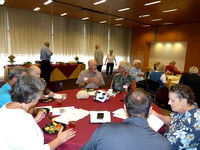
x,y
43,96
51,94
65,135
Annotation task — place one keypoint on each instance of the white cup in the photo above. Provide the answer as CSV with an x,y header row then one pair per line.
x,y
110,91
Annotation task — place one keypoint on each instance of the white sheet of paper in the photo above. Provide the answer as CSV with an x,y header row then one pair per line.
x,y
155,122
58,96
93,117
74,115
62,110
120,113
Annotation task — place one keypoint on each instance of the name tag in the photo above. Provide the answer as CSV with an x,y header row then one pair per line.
x,y
85,78
125,86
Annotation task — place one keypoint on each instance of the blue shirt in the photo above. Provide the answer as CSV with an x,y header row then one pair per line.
x,y
156,77
45,53
184,130
134,71
5,95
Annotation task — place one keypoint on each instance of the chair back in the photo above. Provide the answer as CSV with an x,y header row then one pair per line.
x,y
55,86
162,97
152,85
197,96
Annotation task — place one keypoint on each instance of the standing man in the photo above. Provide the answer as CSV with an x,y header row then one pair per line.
x,y
133,133
90,78
45,56
98,57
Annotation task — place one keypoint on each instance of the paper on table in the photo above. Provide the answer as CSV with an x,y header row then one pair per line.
x,y
49,107
62,110
155,122
120,113
58,96
74,115
93,117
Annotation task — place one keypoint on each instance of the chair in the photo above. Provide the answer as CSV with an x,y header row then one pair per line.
x,y
162,98
152,86
55,86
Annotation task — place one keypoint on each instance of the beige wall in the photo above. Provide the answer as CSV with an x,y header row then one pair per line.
x,y
190,33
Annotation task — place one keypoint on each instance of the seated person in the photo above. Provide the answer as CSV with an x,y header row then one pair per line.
x,y
172,69
192,79
20,130
136,71
133,133
123,81
159,76
13,74
184,122
36,71
90,78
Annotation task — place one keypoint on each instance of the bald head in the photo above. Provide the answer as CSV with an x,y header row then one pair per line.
x,y
35,71
92,64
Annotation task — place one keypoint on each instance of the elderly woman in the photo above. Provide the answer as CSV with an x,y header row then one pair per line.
x,y
19,130
184,122
123,81
110,63
159,76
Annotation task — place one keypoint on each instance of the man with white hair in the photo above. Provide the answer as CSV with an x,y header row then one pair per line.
x,y
136,71
192,79
172,69
123,81
90,78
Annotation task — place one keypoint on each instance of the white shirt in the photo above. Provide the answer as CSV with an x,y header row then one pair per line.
x,y
19,131
110,58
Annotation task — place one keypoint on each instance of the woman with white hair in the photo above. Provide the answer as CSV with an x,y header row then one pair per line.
x,y
123,81
159,76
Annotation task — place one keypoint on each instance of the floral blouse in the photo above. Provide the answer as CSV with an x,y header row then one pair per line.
x,y
184,130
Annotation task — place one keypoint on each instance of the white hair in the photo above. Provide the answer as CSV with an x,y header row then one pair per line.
x,y
125,65
137,61
193,69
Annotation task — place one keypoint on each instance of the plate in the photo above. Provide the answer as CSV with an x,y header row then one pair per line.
x,y
50,128
48,100
41,109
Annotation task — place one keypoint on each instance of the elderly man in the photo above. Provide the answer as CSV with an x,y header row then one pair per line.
x,y
184,122
192,79
90,78
123,80
45,56
35,71
98,57
13,74
133,133
172,69
136,71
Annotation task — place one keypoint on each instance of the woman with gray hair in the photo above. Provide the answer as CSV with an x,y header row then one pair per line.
x,y
159,76
123,81
19,130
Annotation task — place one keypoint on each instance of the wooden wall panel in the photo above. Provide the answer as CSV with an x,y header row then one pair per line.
x,y
185,32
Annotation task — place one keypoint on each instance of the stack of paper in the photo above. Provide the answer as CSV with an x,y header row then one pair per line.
x,y
154,122
72,114
94,119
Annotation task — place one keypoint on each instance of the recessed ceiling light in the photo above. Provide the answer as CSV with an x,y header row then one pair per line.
x,y
124,9
99,2
103,22
85,18
48,2
63,14
37,9
119,19
118,24
156,19
146,25
2,2
167,23
170,10
151,3
142,16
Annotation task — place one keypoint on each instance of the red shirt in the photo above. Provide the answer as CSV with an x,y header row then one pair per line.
x,y
172,70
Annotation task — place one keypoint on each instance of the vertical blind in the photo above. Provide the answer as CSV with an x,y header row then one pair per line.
x,y
23,33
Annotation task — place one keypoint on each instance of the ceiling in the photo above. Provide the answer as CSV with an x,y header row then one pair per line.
x,y
187,11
